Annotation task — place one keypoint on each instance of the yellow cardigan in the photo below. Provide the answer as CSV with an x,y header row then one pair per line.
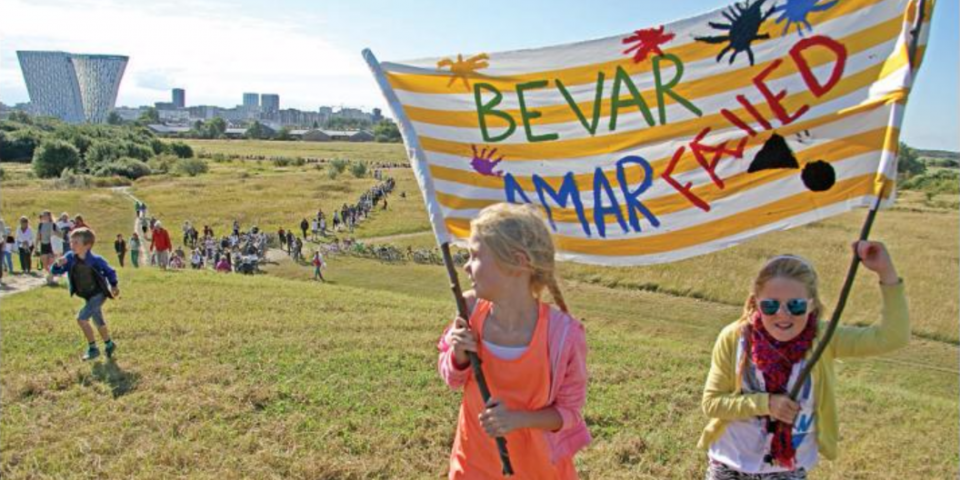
x,y
723,402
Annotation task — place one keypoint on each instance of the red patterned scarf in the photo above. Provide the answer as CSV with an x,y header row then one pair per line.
x,y
775,360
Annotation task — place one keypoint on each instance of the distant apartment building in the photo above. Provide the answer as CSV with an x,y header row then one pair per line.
x,y
75,88
179,98
251,101
174,115
270,103
352,114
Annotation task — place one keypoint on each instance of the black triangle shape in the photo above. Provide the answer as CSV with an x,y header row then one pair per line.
x,y
774,154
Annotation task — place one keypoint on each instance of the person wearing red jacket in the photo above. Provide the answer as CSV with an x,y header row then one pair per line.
x,y
161,245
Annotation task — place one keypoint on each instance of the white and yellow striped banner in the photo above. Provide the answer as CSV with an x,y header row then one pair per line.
x,y
670,141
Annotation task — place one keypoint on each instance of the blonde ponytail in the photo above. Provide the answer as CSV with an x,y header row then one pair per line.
x,y
508,230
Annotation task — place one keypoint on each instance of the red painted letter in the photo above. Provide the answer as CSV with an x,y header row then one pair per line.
x,y
812,82
774,99
684,190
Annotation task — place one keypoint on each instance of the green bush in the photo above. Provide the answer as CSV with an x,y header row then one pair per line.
x,y
934,182
358,169
280,161
69,178
54,156
181,150
102,151
137,150
332,173
159,146
105,151
191,166
19,145
339,165
131,168
162,163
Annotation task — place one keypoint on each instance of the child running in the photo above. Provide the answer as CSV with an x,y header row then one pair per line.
x,y
755,430
534,355
89,278
318,265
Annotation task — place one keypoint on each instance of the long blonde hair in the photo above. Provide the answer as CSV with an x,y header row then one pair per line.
x,y
509,229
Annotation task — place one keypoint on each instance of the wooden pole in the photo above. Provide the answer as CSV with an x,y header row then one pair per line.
x,y
474,359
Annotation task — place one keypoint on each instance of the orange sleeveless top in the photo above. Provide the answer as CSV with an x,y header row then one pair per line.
x,y
522,384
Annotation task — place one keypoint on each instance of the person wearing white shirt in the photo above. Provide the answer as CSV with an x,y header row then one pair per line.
x,y
24,241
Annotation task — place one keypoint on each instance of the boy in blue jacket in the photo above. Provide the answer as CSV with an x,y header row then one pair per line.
x,y
92,279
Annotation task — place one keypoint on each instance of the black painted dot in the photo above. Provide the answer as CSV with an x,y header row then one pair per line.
x,y
774,154
818,176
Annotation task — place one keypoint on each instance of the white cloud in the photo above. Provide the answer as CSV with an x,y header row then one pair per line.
x,y
214,50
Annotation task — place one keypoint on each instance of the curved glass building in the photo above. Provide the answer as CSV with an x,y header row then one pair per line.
x,y
74,88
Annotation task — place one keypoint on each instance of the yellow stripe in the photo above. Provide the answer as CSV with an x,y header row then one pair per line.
x,y
686,163
618,142
438,83
831,152
709,231
691,90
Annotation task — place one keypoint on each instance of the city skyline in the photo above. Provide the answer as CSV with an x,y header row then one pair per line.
x,y
309,53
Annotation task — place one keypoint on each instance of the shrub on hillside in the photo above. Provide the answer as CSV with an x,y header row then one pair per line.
x,y
339,165
162,163
358,169
19,145
54,156
102,151
69,178
181,150
191,167
105,151
280,161
131,168
332,173
935,182
76,138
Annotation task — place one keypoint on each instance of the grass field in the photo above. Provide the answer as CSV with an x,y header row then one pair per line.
x,y
275,376
370,152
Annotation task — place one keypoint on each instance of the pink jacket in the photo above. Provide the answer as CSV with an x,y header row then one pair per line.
x,y
568,363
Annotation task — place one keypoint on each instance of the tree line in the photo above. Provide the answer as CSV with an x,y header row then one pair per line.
x,y
54,147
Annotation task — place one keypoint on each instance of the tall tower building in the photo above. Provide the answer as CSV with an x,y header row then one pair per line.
x,y
74,88
52,84
179,98
251,101
270,103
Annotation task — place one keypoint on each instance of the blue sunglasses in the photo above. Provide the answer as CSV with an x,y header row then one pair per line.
x,y
796,306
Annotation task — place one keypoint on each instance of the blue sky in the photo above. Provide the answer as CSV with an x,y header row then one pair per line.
x,y
309,51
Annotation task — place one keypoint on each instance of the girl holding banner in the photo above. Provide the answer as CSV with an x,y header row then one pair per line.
x,y
756,430
534,354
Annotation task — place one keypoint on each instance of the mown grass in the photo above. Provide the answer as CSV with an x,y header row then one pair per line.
x,y
275,376
264,377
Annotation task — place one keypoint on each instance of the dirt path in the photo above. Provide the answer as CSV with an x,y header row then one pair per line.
x,y
20,283
12,284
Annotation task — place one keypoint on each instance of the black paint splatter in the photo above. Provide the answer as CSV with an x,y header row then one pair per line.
x,y
774,154
818,176
745,22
